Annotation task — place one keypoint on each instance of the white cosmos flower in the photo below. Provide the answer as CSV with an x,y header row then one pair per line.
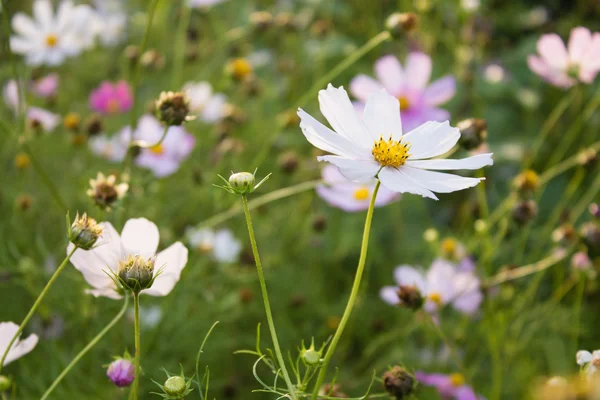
x,y
592,360
204,102
19,347
139,237
50,38
222,244
375,146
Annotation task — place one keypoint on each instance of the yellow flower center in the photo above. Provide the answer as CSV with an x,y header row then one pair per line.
x,y
448,246
112,106
436,298
204,247
457,379
404,103
390,153
240,68
158,149
361,193
51,40
22,161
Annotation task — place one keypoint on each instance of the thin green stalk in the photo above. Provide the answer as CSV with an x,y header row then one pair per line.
x,y
47,181
353,295
578,304
36,305
180,40
525,270
586,199
87,348
135,390
451,346
265,295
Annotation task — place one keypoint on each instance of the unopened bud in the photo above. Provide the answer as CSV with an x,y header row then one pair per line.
x,y
5,383
94,125
431,235
137,272
398,383
310,356
105,191
473,132
84,232
410,297
121,372
527,182
72,121
175,386
524,212
172,108
239,69
261,20
242,182
399,24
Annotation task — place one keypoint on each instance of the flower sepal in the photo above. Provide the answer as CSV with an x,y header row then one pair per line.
x,y
176,387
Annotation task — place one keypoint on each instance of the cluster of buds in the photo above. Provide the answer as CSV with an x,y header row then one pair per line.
x,y
473,133
105,192
398,383
172,108
136,272
241,183
399,24
176,387
84,232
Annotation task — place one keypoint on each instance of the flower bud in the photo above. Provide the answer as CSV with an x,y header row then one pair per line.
x,y
398,383
594,209
286,22
527,182
590,234
172,108
524,212
137,272
121,372
152,59
175,386
261,20
310,356
399,24
84,232
239,69
431,235
243,182
5,383
94,125
410,297
288,161
473,132
587,158
581,261
105,191
22,161
72,121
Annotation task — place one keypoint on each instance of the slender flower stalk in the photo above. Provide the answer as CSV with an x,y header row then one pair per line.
x,y
36,305
179,58
135,390
265,295
87,348
60,202
353,294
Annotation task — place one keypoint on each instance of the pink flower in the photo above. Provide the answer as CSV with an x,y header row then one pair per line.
x,y
165,158
45,86
565,66
418,101
448,386
121,372
350,196
111,98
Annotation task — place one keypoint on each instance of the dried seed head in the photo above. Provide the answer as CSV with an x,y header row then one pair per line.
x,y
105,191
527,182
473,133
410,297
84,232
524,212
172,108
398,383
94,125
399,24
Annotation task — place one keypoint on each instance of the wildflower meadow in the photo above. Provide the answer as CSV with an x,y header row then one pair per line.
x,y
300,199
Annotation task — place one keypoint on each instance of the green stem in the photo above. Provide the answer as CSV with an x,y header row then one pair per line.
x,y
451,346
179,60
135,391
36,305
87,348
263,288
578,304
353,295
47,181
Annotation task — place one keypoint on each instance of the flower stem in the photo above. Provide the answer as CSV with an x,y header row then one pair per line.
x,y
135,391
47,181
36,305
265,295
87,348
179,58
353,295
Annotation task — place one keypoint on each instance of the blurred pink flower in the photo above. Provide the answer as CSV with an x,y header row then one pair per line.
x,y
565,66
350,196
111,98
450,386
45,86
165,158
46,119
418,101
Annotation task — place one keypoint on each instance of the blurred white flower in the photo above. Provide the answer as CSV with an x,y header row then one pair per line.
x,y
469,5
592,360
139,237
203,3
46,119
204,102
50,38
223,246
494,73
112,148
19,347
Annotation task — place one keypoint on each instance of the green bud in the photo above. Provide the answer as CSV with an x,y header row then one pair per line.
x,y
175,386
242,182
5,383
84,232
137,272
310,356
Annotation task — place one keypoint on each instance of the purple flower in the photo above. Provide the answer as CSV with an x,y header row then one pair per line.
x,y
448,386
45,86
112,98
350,196
565,66
121,372
418,101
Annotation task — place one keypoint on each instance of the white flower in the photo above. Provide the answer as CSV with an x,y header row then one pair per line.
x,y
203,102
375,145
113,28
592,360
222,244
203,3
112,148
19,347
48,38
139,237
47,120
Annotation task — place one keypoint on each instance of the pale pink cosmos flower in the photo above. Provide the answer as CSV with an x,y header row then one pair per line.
x,y
444,283
450,386
111,98
45,86
350,196
165,158
46,119
419,100
112,148
565,66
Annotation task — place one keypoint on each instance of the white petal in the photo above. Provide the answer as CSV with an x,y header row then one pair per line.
x,y
20,45
406,275
325,139
389,294
140,236
339,111
396,180
170,262
109,292
431,139
474,162
382,116
583,357
354,170
25,26
440,279
439,181
42,11
19,347
579,42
